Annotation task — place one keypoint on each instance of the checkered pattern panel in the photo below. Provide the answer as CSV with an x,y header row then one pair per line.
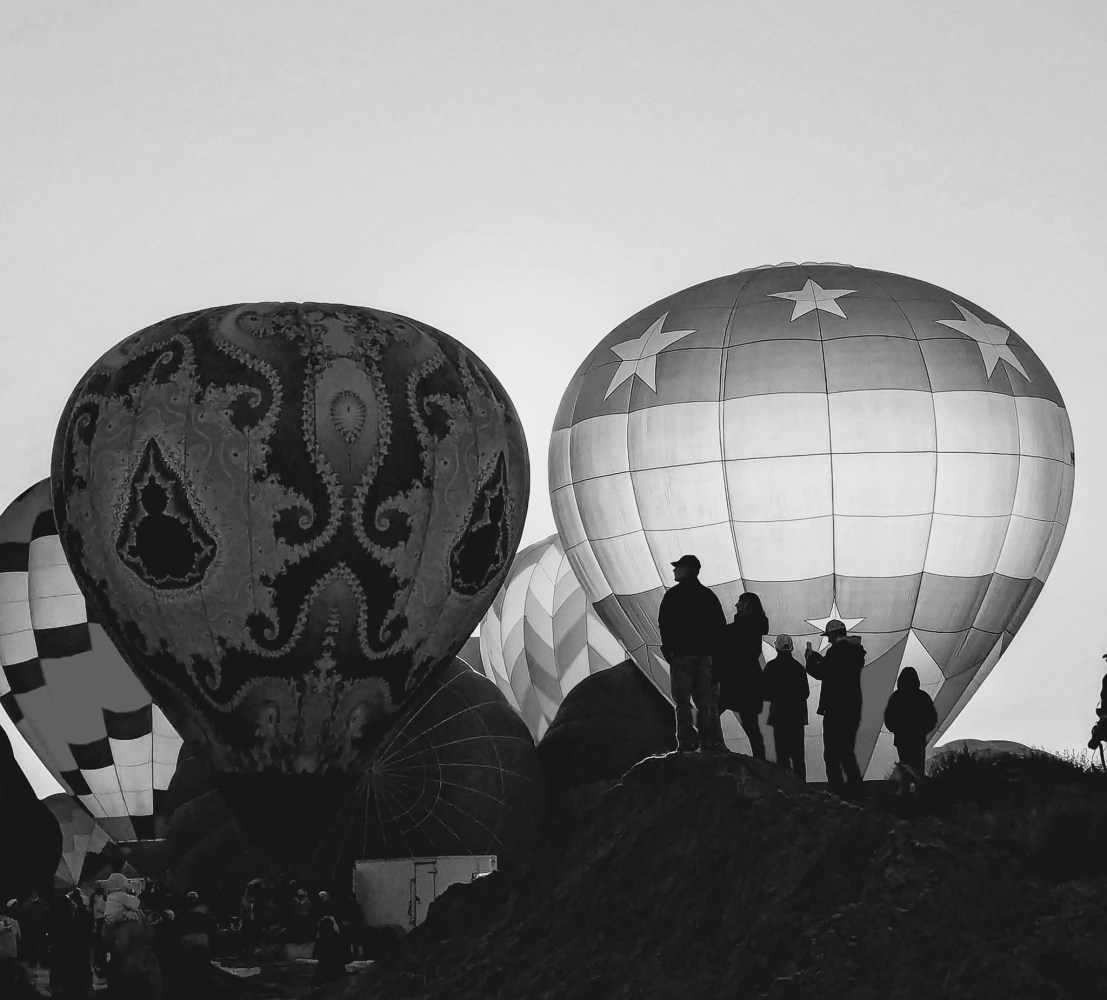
x,y
843,442
67,688
540,637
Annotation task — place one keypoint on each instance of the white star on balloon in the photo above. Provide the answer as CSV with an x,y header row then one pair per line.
x,y
991,339
820,623
639,356
814,296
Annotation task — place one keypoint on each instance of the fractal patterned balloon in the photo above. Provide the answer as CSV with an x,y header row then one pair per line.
x,y
290,515
845,443
541,637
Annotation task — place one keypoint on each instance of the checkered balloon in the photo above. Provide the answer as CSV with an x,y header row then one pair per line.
x,y
540,637
67,688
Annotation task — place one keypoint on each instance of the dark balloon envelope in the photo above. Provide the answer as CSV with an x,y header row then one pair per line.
x,y
289,516
30,839
458,775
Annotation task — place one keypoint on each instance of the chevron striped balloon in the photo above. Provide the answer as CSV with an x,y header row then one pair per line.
x,y
68,690
541,637
847,444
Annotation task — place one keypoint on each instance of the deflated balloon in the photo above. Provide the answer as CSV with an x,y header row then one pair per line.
x,y
68,689
290,516
845,443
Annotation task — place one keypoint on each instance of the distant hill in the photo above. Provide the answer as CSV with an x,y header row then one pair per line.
x,y
981,747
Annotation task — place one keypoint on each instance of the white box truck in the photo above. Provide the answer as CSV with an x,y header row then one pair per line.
x,y
397,892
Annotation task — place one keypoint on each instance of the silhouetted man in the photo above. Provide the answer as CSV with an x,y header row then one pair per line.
x,y
839,669
691,620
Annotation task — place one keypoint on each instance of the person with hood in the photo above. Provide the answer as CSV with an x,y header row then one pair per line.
x,y
691,620
910,717
331,950
787,691
121,905
737,669
840,703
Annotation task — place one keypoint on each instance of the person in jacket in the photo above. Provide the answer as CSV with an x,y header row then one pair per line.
x,y
121,904
910,717
786,691
737,669
840,702
691,621
331,950
11,946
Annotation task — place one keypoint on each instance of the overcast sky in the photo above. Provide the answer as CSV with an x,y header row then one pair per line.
x,y
524,176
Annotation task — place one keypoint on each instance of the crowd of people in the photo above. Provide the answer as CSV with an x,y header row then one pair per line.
x,y
715,667
123,927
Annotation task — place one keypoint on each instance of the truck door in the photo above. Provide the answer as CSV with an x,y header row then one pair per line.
x,y
422,890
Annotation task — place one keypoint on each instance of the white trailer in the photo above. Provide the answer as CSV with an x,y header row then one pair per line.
x,y
397,892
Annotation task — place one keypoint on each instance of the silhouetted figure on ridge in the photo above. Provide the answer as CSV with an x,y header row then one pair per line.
x,y
911,717
840,701
737,668
691,620
1099,730
786,690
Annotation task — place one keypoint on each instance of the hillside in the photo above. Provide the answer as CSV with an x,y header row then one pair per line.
x,y
703,878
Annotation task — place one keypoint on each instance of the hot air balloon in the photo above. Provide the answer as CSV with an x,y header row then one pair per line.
x,y
541,637
81,836
68,690
458,774
847,444
289,516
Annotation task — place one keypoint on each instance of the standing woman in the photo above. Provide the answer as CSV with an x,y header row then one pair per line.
x,y
738,668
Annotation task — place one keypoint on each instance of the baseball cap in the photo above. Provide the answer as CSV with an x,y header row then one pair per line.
x,y
687,561
834,626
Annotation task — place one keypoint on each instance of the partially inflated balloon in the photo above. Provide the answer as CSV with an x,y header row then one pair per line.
x,y
291,515
541,637
81,836
458,775
67,688
845,443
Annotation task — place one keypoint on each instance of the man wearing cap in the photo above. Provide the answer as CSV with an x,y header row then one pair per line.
x,y
691,621
839,669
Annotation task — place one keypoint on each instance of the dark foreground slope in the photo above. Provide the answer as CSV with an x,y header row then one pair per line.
x,y
704,878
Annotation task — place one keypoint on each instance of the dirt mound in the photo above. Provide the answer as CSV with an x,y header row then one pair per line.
x,y
698,877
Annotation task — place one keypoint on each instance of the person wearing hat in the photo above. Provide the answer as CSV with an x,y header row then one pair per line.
x,y
691,621
737,669
840,701
787,691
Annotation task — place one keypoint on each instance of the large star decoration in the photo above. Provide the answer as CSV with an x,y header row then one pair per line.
x,y
639,356
991,339
820,623
814,297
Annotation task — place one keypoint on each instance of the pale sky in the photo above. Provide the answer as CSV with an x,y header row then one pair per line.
x,y
524,176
